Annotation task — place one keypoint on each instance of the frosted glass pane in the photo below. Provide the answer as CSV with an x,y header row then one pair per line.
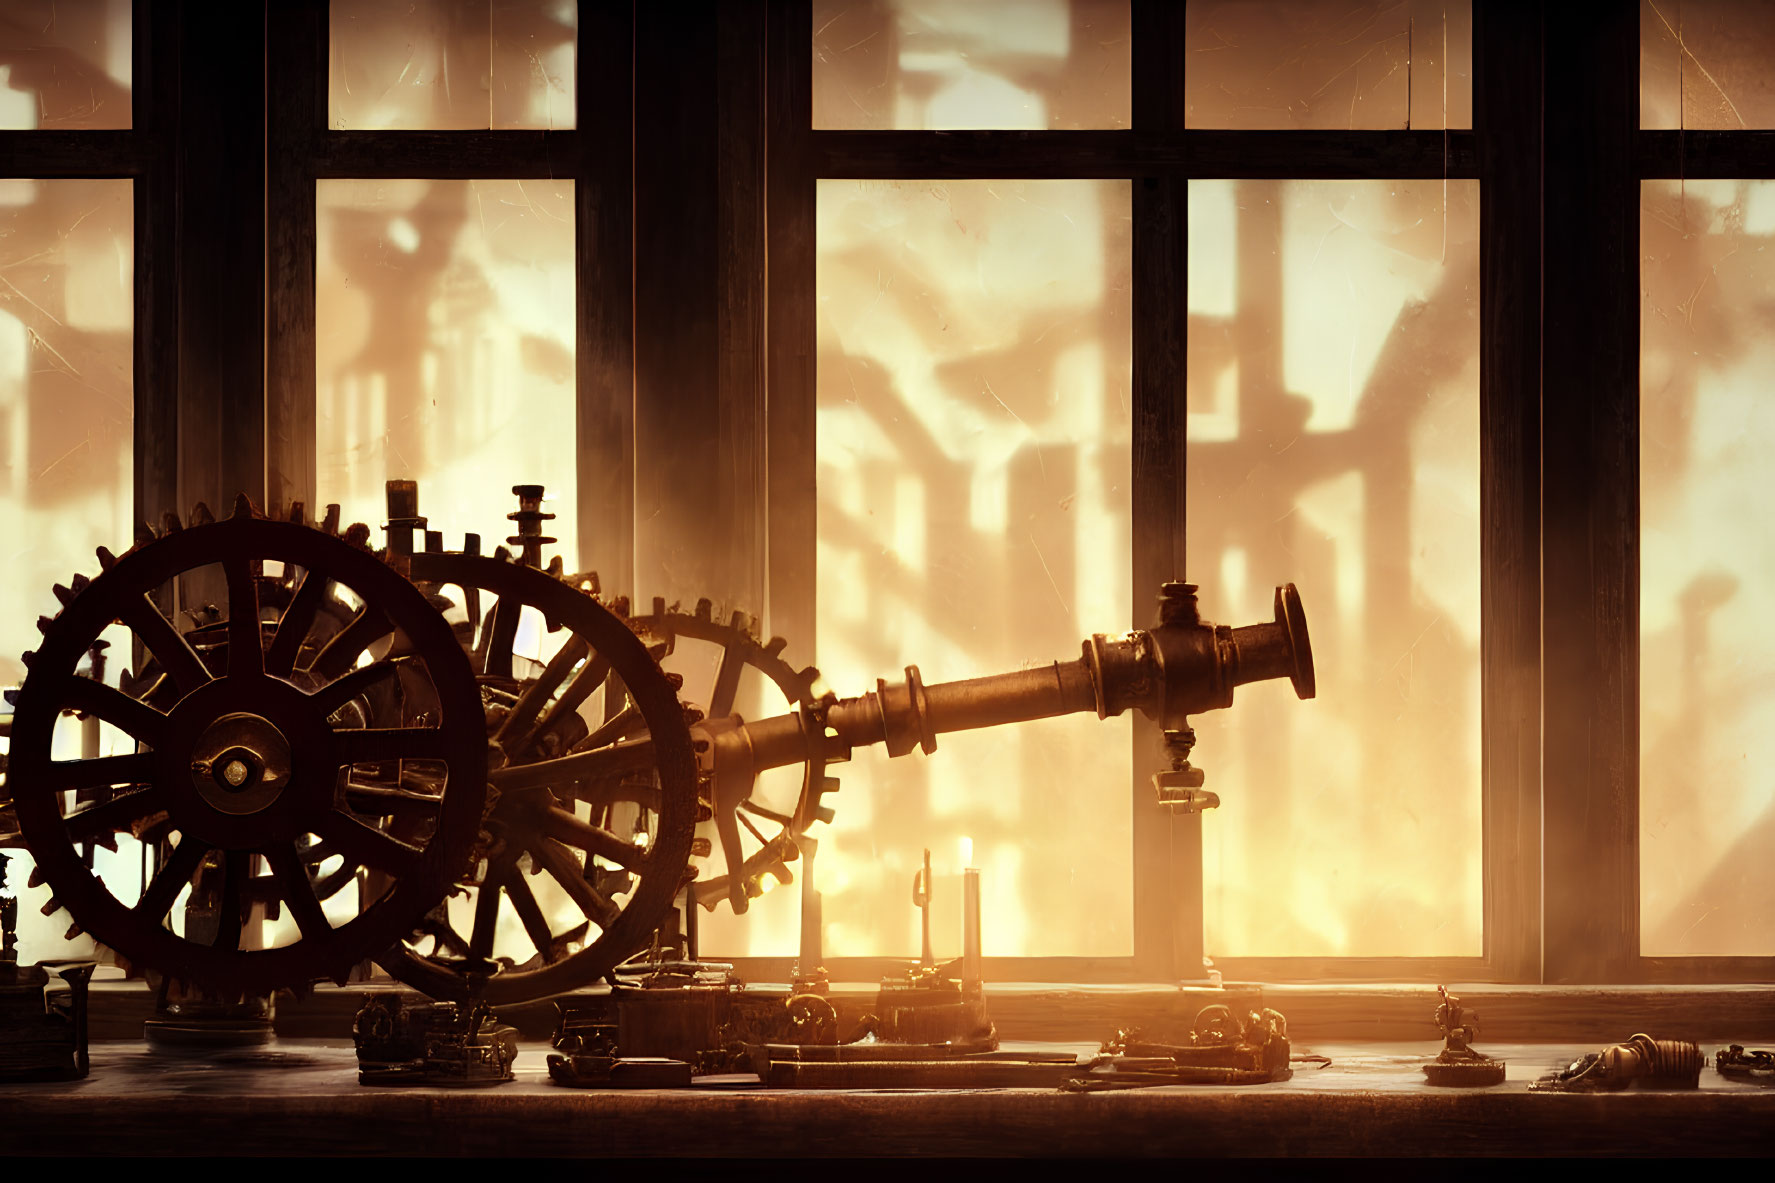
x,y
1707,568
444,317
1334,441
1328,65
67,322
1706,64
912,65
441,65
65,64
974,518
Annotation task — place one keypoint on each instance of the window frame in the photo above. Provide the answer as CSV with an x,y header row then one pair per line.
x,y
1159,155
1559,157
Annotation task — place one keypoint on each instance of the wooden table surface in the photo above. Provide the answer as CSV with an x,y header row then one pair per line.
x,y
301,1097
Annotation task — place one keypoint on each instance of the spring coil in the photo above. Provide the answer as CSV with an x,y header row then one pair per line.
x,y
1648,1059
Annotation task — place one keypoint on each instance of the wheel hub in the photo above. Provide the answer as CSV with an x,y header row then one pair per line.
x,y
240,764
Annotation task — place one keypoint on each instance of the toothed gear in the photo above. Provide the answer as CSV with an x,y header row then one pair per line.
x,y
245,761
807,694
632,766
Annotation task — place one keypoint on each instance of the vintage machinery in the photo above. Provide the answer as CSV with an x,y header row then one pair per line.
x,y
42,1034
1458,1065
1221,1049
1642,1061
354,717
1753,1067
400,1041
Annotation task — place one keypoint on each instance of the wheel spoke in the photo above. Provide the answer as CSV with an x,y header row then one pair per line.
x,y
103,771
331,697
298,892
516,725
246,646
369,846
612,729
605,792
559,862
293,628
341,653
618,760
228,918
590,677
495,651
594,840
129,715
727,684
536,925
114,815
751,806
167,644
172,878
486,923
379,801
374,745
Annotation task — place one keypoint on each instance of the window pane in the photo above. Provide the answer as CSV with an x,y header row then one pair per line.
x,y
64,64
974,518
444,318
1328,65
67,321
1706,64
1334,441
912,65
1707,568
441,65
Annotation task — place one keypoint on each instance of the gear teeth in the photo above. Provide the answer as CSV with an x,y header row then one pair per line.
x,y
331,523
243,507
705,609
170,524
810,675
357,534
659,606
107,560
828,784
555,567
79,583
36,877
74,930
64,594
51,906
501,554
107,840
298,513
144,534
201,515
434,542
620,606
43,623
775,646
27,657
825,813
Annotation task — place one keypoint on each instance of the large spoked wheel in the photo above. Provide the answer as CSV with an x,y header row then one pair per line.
x,y
594,791
245,750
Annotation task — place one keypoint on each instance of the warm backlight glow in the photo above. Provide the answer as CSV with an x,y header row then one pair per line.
x,y
67,318
1334,442
1706,569
974,456
936,65
444,317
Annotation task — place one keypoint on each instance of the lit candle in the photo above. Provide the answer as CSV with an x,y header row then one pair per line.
x,y
970,926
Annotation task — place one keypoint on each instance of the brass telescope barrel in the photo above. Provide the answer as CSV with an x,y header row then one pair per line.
x,y
1181,667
